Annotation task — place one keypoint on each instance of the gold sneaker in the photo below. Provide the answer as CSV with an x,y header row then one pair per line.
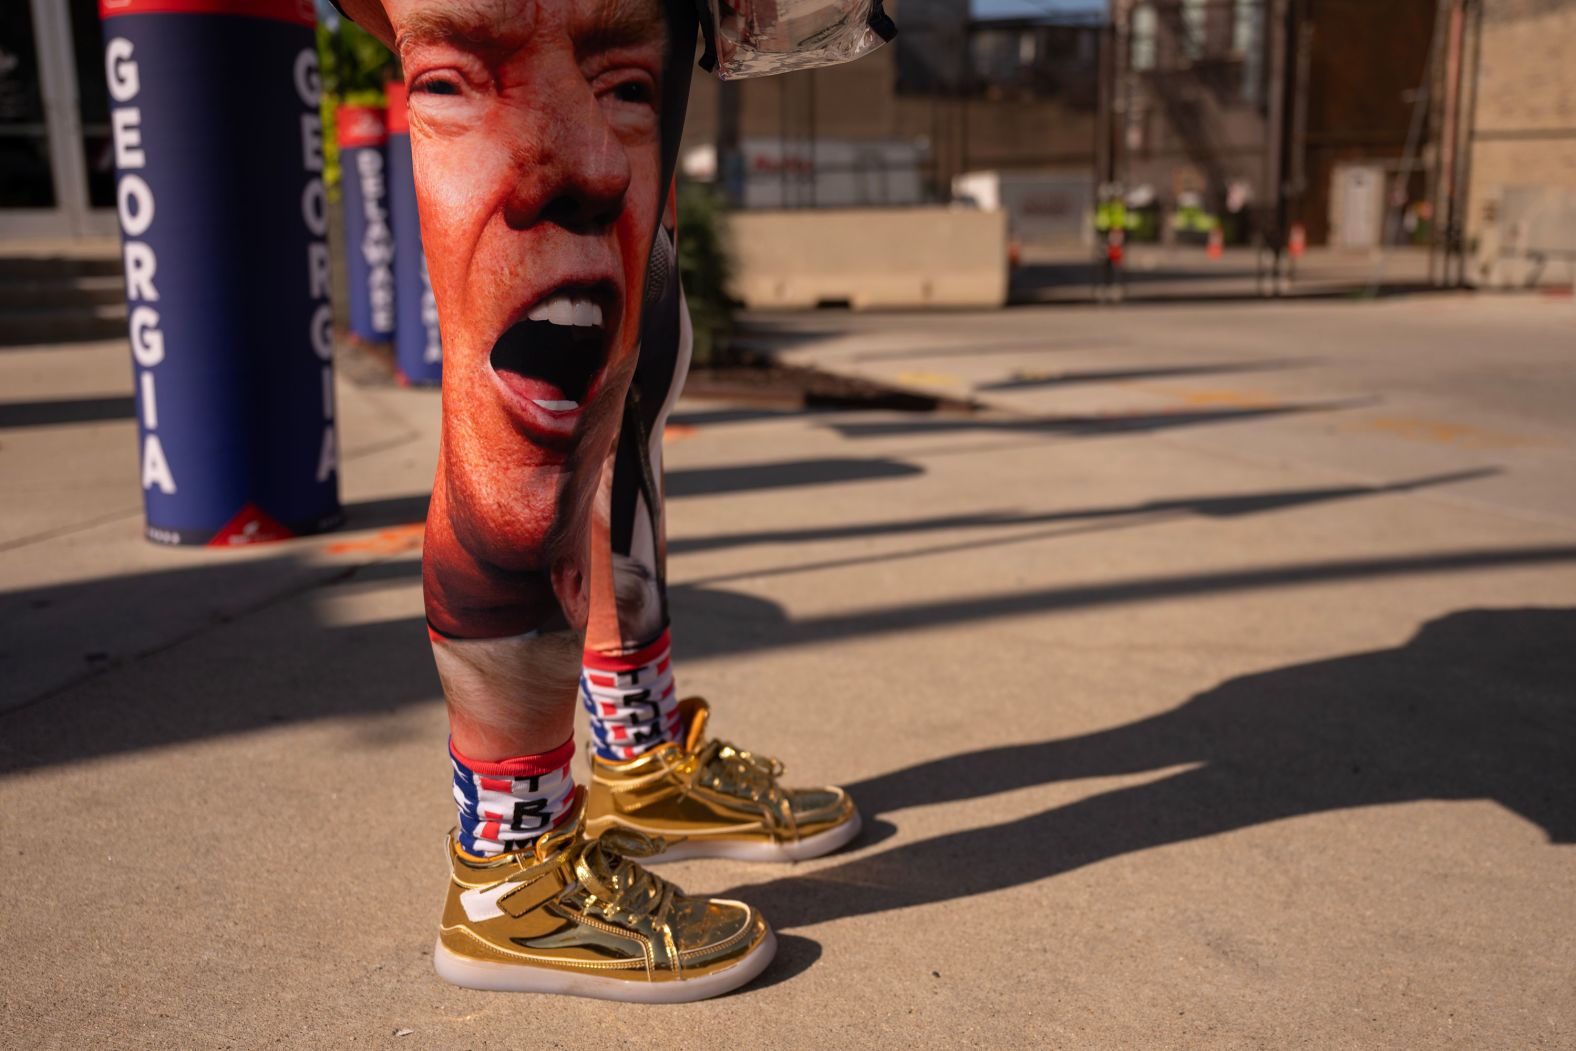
x,y
575,915
708,799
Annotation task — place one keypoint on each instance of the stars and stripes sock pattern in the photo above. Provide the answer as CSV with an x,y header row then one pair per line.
x,y
506,805
630,700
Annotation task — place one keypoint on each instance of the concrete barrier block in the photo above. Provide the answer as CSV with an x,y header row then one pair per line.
x,y
870,257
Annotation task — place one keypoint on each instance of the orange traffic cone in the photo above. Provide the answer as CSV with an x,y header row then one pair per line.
x,y
1297,243
1217,243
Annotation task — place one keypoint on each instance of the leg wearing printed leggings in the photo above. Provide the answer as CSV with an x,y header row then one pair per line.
x,y
653,768
543,134
627,684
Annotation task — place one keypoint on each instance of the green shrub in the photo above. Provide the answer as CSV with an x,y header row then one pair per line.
x,y
705,267
354,69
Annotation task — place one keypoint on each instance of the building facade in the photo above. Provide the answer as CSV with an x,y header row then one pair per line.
x,y
1521,199
1216,104
949,95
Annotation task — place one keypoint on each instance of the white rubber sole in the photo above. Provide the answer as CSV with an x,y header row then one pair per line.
x,y
523,978
758,850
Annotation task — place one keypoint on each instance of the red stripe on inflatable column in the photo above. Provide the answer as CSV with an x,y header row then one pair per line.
x,y
360,126
300,12
398,119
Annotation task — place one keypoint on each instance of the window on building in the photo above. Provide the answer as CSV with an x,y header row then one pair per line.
x,y
1245,26
1195,24
1022,58
1247,41
1143,42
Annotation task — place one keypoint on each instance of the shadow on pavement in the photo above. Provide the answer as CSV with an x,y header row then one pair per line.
x,y
1070,377
1120,518
1072,282
291,663
1480,704
324,672
1031,280
716,417
1077,426
721,622
795,955
1206,506
408,510
1304,291
690,481
972,351
66,410
389,511
781,331
710,481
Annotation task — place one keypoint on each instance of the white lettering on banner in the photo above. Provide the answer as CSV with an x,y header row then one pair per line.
x,y
432,353
126,121
150,404
155,468
328,458
308,84
314,208
134,202
317,270
322,332
147,339
120,70
140,266
314,213
377,243
312,141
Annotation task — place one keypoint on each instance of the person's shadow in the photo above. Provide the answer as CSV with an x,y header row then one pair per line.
x,y
1479,704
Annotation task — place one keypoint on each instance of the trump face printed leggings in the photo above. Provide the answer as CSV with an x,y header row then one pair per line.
x,y
543,135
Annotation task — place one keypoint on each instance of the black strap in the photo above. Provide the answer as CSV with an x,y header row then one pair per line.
x,y
881,22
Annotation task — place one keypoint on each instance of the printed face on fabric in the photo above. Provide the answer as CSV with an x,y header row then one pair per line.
x,y
537,133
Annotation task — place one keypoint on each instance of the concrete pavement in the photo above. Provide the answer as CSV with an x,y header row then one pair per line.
x,y
1212,689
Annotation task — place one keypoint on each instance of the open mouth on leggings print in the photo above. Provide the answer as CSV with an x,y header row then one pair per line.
x,y
551,362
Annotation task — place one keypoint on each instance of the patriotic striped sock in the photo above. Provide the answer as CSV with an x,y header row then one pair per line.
x,y
506,805
630,700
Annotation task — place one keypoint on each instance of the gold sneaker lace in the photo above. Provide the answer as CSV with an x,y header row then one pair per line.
x,y
617,885
747,775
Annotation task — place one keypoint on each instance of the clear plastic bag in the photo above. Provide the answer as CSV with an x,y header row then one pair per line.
x,y
757,38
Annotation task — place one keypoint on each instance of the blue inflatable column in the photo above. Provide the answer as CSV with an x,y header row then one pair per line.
x,y
369,240
219,185
418,349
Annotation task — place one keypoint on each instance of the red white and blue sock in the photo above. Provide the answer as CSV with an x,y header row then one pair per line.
x,y
631,700
506,805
